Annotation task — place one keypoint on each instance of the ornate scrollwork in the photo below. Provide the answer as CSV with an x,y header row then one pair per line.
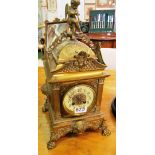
x,y
55,135
77,127
79,98
94,84
85,39
44,89
81,63
81,37
56,86
60,133
45,106
93,125
81,59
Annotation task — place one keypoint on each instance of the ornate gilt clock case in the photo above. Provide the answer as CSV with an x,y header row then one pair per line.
x,y
74,83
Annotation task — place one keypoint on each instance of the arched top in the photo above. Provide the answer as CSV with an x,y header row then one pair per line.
x,y
68,49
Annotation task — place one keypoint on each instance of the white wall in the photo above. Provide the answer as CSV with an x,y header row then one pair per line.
x,y
109,57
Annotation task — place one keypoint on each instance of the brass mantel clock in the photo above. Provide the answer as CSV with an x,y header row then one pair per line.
x,y
74,78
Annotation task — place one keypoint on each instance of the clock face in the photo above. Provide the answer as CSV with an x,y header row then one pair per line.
x,y
79,99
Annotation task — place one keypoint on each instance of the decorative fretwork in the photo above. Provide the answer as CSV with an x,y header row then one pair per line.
x,y
77,127
81,63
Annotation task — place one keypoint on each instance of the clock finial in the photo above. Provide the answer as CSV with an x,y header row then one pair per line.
x,y
72,16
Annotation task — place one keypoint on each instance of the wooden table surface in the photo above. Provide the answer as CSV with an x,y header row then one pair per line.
x,y
107,41
102,36
90,143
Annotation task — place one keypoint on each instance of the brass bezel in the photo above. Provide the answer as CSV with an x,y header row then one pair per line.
x,y
89,108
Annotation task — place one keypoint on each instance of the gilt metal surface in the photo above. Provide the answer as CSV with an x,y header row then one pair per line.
x,y
71,59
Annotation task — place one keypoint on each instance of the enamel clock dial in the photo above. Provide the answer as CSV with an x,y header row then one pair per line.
x,y
79,99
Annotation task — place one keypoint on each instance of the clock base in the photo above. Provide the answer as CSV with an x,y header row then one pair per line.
x,y
78,126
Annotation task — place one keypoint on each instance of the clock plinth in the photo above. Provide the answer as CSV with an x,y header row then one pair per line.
x,y
92,122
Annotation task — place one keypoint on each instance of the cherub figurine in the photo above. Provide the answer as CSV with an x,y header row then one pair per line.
x,y
72,16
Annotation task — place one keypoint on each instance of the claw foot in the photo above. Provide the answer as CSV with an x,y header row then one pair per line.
x,y
51,145
105,131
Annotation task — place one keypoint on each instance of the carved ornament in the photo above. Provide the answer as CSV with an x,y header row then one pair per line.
x,y
81,63
77,127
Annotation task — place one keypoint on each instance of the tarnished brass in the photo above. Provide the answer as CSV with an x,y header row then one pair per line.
x,y
78,126
72,63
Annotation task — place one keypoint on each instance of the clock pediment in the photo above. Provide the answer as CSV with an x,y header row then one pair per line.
x,y
65,52
82,62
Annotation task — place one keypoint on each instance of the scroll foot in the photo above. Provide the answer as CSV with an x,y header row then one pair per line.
x,y
104,130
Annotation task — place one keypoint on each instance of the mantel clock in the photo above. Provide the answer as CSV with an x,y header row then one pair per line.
x,y
74,78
